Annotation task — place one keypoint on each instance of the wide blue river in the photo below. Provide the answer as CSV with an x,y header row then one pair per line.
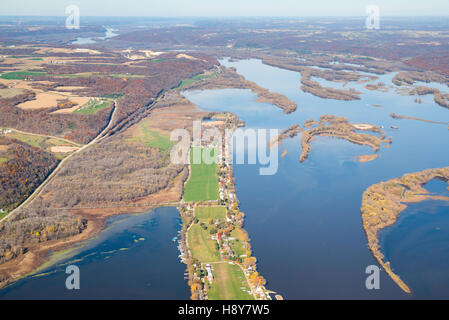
x,y
133,258
305,221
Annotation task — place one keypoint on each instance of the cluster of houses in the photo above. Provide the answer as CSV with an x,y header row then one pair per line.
x,y
210,275
5,132
227,198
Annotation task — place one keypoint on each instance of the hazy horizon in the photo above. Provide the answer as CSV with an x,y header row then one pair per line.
x,y
230,8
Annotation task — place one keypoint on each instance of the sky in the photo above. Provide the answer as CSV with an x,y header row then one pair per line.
x,y
227,8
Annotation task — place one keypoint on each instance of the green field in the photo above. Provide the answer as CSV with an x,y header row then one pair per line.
x,y
93,106
112,96
187,82
34,141
203,182
19,75
229,283
201,245
205,213
38,142
237,245
150,138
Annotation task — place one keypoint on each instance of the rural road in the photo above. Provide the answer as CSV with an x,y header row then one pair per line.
x,y
38,190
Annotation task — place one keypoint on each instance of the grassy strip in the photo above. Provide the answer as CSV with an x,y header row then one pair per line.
x,y
203,182
205,213
20,75
187,82
229,283
151,138
92,107
202,247
112,96
34,141
38,142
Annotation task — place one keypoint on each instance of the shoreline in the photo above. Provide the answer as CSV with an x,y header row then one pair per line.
x,y
382,203
37,254
199,287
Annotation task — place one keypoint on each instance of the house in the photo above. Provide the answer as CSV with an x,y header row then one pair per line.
x,y
210,275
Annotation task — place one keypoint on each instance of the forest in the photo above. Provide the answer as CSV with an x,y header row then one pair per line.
x,y
24,169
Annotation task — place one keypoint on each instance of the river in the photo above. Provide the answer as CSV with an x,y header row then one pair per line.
x,y
305,221
133,258
109,33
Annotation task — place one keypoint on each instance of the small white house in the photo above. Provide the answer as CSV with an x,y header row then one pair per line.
x,y
210,275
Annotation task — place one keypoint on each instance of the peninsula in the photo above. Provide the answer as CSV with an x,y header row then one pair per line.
x,y
382,203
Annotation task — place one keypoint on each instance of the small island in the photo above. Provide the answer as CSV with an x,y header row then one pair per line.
x,y
338,127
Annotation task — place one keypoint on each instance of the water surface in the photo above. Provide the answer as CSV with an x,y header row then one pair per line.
x,y
305,221
133,258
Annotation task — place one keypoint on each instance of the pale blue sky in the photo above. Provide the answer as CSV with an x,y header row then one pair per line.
x,y
170,8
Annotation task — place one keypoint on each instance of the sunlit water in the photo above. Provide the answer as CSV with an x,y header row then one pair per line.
x,y
110,32
133,258
305,221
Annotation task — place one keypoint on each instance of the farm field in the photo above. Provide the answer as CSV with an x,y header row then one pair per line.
x,y
203,182
20,75
201,245
187,82
142,134
206,213
60,148
93,106
229,283
45,100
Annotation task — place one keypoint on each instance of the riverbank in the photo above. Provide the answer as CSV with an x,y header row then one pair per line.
x,y
337,127
382,204
225,78
213,243
139,243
